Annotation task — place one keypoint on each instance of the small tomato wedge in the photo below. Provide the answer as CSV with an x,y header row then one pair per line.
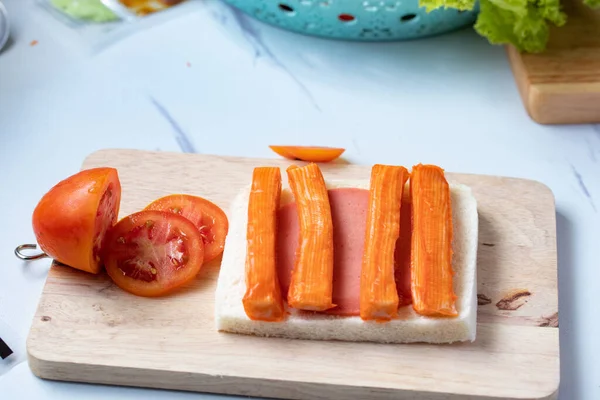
x,y
308,153
152,253
71,219
209,218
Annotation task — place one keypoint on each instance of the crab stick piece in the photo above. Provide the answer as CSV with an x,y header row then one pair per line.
x,y
311,285
431,243
378,294
263,300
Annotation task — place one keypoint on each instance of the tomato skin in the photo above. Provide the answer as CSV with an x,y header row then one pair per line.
x,y
146,236
66,222
209,218
309,153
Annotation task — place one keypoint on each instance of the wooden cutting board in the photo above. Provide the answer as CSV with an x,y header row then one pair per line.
x,y
562,84
88,330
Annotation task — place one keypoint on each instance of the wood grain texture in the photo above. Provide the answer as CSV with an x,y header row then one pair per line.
x,y
88,330
562,84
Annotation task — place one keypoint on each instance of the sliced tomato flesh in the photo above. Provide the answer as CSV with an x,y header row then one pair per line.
x,y
106,216
151,253
148,246
209,219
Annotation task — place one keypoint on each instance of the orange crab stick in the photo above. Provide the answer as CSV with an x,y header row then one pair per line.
x,y
378,295
431,253
311,283
262,300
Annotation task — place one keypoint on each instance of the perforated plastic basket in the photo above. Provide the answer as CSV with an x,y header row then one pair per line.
x,y
366,20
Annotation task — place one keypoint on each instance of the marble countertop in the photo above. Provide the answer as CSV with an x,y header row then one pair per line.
x,y
212,81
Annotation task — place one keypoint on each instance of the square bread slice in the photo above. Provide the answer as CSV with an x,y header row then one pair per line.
x,y
408,328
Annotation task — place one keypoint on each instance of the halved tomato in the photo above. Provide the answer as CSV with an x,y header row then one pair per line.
x,y
152,253
209,218
71,219
308,153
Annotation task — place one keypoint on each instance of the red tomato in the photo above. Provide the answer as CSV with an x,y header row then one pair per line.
x,y
71,220
210,220
152,253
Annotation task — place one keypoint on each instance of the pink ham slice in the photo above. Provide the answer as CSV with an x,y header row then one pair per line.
x,y
402,253
349,212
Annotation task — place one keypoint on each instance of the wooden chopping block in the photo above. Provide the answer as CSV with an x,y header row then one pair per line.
x,y
562,84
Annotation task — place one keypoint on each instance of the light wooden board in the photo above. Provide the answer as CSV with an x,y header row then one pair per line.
x,y
562,84
88,330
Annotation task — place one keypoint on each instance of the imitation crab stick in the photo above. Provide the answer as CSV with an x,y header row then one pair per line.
x,y
263,300
378,295
431,244
311,284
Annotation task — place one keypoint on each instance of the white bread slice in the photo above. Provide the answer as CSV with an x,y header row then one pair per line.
x,y
409,328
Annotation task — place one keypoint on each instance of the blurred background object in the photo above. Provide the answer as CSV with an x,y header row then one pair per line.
x,y
93,25
4,26
358,20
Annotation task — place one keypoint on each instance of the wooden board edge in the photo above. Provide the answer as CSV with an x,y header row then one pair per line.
x,y
55,366
520,75
546,102
235,386
543,101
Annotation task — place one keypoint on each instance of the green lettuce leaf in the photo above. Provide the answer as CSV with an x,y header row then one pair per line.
x,y
592,3
461,5
522,23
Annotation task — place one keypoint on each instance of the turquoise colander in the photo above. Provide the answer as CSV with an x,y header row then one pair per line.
x,y
365,20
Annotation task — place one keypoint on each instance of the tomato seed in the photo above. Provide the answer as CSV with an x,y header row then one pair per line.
x,y
134,270
205,232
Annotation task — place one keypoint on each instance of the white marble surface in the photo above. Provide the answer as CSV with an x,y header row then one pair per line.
x,y
449,100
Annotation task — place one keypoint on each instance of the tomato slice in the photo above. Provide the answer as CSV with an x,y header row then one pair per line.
x,y
209,218
152,253
72,218
309,153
